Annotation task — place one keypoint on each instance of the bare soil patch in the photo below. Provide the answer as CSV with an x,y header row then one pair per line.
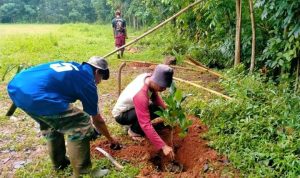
x,y
193,155
199,77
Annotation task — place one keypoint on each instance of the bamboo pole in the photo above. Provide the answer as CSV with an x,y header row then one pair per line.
x,y
13,107
142,62
116,163
8,69
237,51
186,68
252,63
153,29
297,76
120,75
197,63
203,88
205,69
175,67
184,81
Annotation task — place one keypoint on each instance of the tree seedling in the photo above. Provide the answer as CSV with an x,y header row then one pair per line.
x,y
174,115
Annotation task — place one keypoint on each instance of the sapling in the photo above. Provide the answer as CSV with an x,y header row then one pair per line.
x,y
174,114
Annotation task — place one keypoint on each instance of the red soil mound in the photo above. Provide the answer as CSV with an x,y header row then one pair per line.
x,y
192,152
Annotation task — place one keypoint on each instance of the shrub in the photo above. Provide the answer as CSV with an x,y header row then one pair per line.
x,y
260,129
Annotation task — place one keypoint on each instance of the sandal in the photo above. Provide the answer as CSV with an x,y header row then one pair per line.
x,y
135,136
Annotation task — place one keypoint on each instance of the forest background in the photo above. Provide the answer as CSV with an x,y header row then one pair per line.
x,y
207,32
254,43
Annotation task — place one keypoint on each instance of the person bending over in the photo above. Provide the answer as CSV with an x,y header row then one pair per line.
x,y
138,103
45,92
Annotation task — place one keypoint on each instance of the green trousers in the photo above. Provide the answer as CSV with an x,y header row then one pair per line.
x,y
76,125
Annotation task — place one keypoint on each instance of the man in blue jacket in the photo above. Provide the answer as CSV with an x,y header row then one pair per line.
x,y
45,92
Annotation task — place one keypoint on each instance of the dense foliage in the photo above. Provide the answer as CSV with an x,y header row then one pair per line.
x,y
260,129
174,114
283,23
138,13
206,33
45,11
211,26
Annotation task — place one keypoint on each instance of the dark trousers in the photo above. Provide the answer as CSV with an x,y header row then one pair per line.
x,y
130,118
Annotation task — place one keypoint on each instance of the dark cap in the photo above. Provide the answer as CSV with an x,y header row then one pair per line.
x,y
100,63
162,75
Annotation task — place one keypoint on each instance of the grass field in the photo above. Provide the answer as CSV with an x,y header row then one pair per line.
x,y
23,149
33,44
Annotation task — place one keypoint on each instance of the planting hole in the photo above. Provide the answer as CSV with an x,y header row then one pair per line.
x,y
166,166
174,167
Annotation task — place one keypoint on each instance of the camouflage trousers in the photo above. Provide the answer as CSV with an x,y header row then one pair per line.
x,y
75,123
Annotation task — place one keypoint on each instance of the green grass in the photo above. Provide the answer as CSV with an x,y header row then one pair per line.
x,y
259,130
75,42
35,44
42,167
28,45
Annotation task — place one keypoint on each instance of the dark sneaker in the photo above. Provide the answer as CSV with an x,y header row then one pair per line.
x,y
63,165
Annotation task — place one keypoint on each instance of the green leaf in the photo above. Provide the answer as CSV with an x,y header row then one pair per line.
x,y
160,113
178,95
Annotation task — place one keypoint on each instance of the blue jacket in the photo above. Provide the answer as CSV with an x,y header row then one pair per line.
x,y
48,89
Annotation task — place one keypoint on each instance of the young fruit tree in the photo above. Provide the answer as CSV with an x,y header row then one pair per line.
x,y
174,114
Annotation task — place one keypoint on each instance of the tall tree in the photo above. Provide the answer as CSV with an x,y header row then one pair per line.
x,y
9,12
237,58
252,63
283,42
297,76
103,10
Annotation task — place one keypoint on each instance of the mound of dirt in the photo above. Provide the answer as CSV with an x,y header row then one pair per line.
x,y
193,155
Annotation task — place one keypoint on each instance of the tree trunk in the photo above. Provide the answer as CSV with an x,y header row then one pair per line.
x,y
134,25
253,36
172,142
129,21
228,18
297,76
237,58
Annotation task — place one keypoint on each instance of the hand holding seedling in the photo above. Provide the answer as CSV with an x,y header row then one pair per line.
x,y
174,116
168,151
